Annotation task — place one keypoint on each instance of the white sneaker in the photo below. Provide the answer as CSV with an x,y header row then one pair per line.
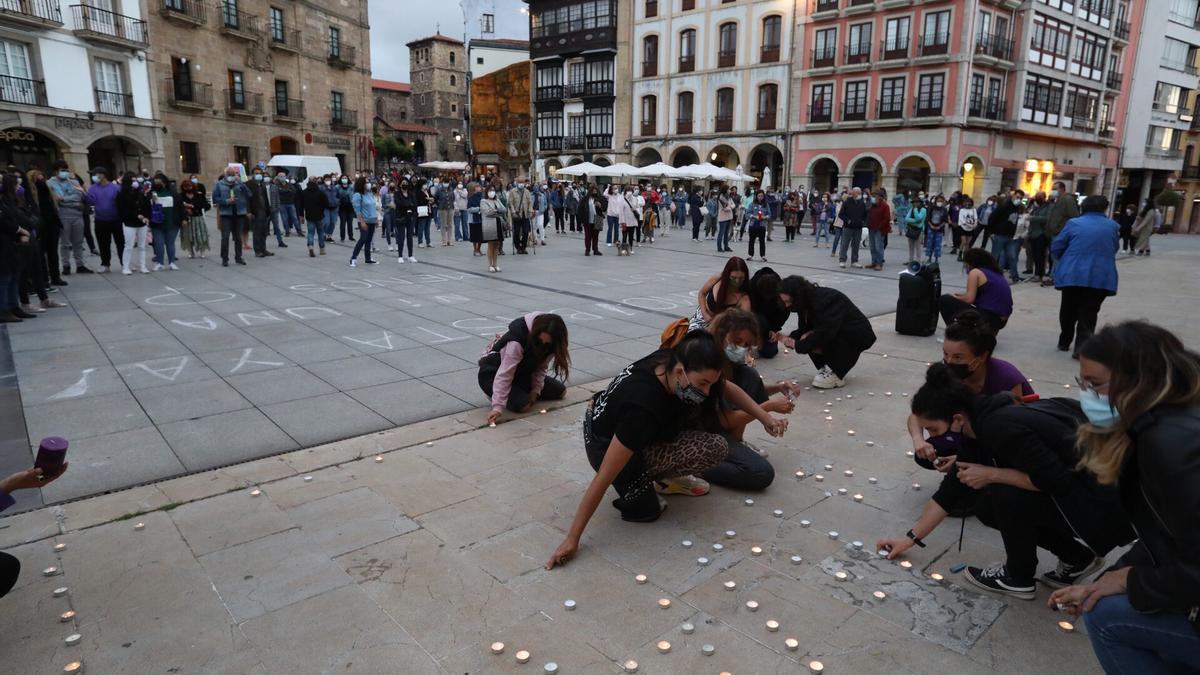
x,y
412,259
173,266
856,265
158,267
609,245
757,450
400,260
144,271
126,271
391,248
352,263
842,265
826,379
497,268
104,269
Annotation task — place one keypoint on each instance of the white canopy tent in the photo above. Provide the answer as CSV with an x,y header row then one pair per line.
x,y
444,166
658,170
578,169
618,170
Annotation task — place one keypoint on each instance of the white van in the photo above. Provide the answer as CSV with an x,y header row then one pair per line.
x,y
301,167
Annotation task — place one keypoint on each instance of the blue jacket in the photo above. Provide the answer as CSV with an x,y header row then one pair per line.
x,y
556,200
753,213
364,207
241,198
1086,250
331,196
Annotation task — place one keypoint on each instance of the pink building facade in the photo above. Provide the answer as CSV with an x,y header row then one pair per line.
x,y
970,95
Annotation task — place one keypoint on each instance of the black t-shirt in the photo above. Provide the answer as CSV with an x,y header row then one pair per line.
x,y
636,409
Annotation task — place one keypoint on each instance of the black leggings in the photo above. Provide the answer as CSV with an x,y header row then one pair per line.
x,y
406,226
519,394
950,307
10,569
346,224
840,357
627,236
759,234
1026,521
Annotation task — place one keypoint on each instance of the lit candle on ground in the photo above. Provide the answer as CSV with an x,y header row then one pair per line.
x,y
796,560
872,480
60,547
833,534
778,513
730,534
631,666
687,543
50,571
492,425
663,646
887,393
848,473
752,605
849,432
805,523
842,491
730,585
870,393
66,616
378,459
819,478
60,591
522,656
255,492
857,497
906,564
885,356
870,444
497,647
718,547
708,650
905,394
800,474
641,578
916,487
829,467
73,668
756,550
772,625
73,639
829,418
879,595
1066,626
308,479
841,576
664,603
569,605
792,644
826,411
139,527
687,629
817,666
828,403
552,667
909,453
883,553
857,545
429,444
703,562
849,396
542,411
749,502
936,577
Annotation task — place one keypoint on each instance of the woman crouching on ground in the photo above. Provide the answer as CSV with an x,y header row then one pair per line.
x,y
512,370
641,429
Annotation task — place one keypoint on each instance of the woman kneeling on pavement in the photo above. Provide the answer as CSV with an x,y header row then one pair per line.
x,y
832,330
987,291
1018,465
512,370
721,292
1140,389
641,429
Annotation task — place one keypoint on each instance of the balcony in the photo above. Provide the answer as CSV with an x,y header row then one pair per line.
x,y
991,108
687,64
767,121
1108,134
651,9
649,127
114,103
1191,173
928,108
550,143
1121,30
687,5
727,58
31,13
340,118
1190,21
770,54
23,91
723,123
1163,153
824,57
1114,80
683,127
288,109
187,95
934,44
340,55
284,39
859,53
995,46
101,25
649,69
1180,66
1082,122
599,88
551,93
860,4
895,49
854,111
819,6
599,141
575,142
190,12
820,113
240,103
239,24
891,108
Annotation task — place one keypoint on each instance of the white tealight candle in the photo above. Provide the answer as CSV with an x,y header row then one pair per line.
x,y
872,480
805,523
828,403
522,656
870,444
569,605
829,467
703,562
817,666
730,585
1066,626
857,545
663,646
800,474
879,595
749,502
255,492
792,644
772,625
857,497
849,473
708,650
870,393
842,491
73,668
429,444
905,394
631,666
778,513
756,550
916,487
906,564
60,591
796,560
73,639
542,411
883,553
492,425
687,543
829,418
50,571
139,527
752,605
841,576
550,668
60,547
497,647
887,393
308,479
936,577
687,629
849,432
826,411
66,616
730,534
641,578
833,534
909,453
718,547
664,603
885,356
849,396
819,478
378,459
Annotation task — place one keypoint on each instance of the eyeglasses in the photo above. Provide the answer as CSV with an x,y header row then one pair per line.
x,y
1084,385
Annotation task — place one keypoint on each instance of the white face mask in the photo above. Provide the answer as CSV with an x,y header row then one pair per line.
x,y
491,194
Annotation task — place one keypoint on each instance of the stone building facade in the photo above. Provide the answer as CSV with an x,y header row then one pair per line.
x,y
242,80
438,71
501,121
394,117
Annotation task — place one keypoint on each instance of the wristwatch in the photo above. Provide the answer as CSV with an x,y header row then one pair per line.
x,y
915,539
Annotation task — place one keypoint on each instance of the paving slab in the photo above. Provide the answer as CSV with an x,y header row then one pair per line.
x,y
224,438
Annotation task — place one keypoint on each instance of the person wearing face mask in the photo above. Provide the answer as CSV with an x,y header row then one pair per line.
x,y
935,230
914,227
366,209
406,201
590,216
520,209
462,230
1065,207
330,189
640,429
695,210
260,213
345,210
165,209
985,216
134,208
231,197
1087,271
1143,228
285,217
102,197
987,291
512,369
571,207
193,229
492,213
726,205
830,329
758,217
820,209
721,292
1002,225
70,197
1019,466
1125,219
312,214
1140,389
879,225
628,219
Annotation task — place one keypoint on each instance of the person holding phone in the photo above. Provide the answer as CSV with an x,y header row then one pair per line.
x,y
35,477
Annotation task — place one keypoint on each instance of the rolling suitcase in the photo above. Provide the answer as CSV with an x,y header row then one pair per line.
x,y
917,303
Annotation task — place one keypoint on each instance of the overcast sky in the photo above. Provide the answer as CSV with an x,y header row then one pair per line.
x,y
395,23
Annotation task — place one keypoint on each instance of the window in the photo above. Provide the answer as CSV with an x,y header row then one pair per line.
x,y
277,25
687,51
858,49
549,126
599,76
897,32
453,107
548,84
451,58
1185,12
854,105
825,49
237,89
572,18
453,80
891,98
768,104
772,36
181,79
1088,59
16,78
651,9
241,154
821,106
724,118
336,103
1178,55
335,42
1049,42
685,114
1163,141
1043,100
282,107
110,89
1067,6
975,105
727,45
230,15
935,38
1170,98
650,56
189,157
931,90
575,127
599,122
1082,106
649,115
479,60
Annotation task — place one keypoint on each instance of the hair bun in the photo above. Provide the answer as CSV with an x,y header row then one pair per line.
x,y
971,318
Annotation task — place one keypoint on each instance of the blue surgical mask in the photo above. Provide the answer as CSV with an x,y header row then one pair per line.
x,y
1099,410
689,394
95,178
63,175
736,353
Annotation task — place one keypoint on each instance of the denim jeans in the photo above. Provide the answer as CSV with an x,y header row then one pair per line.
x,y
164,243
10,297
291,220
317,230
610,235
933,243
1013,251
364,242
851,238
461,231
331,221
1000,251
723,232
877,246
837,238
1128,641
423,230
821,229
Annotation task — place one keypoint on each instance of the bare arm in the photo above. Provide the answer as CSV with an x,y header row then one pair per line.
x,y
920,446
931,517
615,460
708,286
739,399
973,283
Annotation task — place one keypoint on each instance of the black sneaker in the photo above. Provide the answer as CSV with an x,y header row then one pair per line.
x,y
66,270
83,270
1068,575
996,580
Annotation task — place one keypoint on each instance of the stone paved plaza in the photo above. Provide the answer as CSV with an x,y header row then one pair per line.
x,y
393,532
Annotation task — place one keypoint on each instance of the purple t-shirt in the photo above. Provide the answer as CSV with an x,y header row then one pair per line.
x,y
104,198
1003,376
996,295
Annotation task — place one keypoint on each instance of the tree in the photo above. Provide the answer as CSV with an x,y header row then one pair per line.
x,y
389,147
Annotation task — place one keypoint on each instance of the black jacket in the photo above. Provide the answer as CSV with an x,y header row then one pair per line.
x,y
130,204
853,213
406,204
695,201
770,312
259,208
832,318
313,203
1001,223
1160,489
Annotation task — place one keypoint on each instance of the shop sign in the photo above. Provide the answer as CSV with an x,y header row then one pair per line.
x,y
73,123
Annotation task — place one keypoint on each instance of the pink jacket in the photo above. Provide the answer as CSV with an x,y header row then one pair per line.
x,y
510,357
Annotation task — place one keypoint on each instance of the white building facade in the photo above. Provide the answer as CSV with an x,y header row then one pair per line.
x,y
711,83
75,85
486,56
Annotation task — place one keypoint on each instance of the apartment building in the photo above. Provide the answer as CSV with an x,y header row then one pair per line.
x,y
75,85
242,80
438,70
971,95
581,71
711,83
